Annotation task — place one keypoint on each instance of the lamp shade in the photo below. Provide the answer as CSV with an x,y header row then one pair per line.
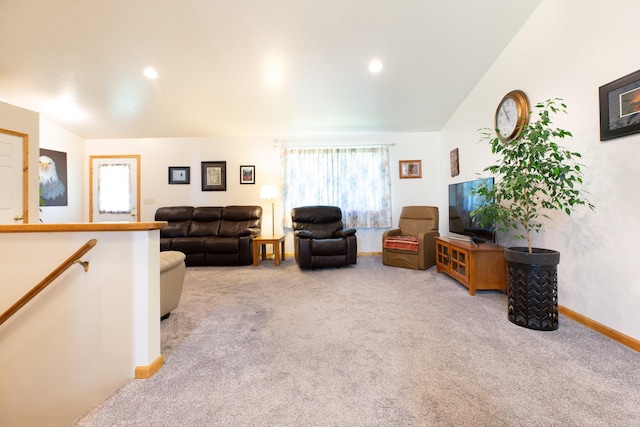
x,y
269,191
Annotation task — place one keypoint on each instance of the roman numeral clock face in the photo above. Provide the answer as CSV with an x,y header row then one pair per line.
x,y
512,115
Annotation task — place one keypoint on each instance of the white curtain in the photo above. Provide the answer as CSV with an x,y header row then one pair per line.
x,y
355,179
114,189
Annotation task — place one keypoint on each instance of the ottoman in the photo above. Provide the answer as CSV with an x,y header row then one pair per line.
x,y
172,269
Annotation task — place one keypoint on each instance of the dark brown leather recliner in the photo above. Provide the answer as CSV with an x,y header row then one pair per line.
x,y
319,238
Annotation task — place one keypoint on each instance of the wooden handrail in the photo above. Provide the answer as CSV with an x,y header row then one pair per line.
x,y
73,259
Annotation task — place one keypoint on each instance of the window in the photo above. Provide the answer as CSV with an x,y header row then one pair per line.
x,y
356,179
114,189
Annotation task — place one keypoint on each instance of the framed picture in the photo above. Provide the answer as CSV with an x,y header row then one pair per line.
x,y
620,107
247,174
410,169
214,176
179,174
455,165
53,178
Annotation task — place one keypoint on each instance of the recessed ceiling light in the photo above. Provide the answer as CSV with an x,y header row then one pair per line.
x,y
375,66
150,73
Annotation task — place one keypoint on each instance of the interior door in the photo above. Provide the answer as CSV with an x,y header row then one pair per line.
x,y
114,188
14,177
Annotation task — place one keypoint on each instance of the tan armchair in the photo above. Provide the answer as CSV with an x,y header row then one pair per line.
x,y
172,271
412,245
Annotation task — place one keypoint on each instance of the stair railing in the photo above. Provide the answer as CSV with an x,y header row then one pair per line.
x,y
73,259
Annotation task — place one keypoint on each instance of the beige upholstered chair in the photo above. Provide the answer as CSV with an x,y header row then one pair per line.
x,y
172,270
412,245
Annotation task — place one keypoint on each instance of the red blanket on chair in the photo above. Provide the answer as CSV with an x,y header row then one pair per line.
x,y
406,243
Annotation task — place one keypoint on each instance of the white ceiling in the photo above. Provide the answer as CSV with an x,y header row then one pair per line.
x,y
213,56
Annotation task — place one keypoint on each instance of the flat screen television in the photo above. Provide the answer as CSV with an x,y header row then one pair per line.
x,y
461,203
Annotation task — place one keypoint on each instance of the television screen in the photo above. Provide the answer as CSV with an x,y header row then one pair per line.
x,y
461,203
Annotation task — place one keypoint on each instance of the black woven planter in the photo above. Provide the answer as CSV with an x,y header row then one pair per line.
x,y
532,287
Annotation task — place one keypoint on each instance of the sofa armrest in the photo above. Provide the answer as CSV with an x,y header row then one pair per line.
x,y
303,234
390,233
346,232
429,235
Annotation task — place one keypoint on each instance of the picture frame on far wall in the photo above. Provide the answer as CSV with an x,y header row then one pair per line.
x,y
179,174
620,107
247,174
410,169
214,176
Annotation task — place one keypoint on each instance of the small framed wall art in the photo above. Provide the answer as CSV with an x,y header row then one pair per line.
x,y
179,174
410,169
620,107
214,176
455,164
247,174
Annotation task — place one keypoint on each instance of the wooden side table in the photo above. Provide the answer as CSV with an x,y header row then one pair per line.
x,y
278,248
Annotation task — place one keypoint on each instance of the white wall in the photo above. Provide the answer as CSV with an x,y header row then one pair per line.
x,y
81,338
53,137
157,154
567,49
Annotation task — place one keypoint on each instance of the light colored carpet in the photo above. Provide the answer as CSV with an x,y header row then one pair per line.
x,y
368,345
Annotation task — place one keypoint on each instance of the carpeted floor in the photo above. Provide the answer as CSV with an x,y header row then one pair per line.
x,y
368,345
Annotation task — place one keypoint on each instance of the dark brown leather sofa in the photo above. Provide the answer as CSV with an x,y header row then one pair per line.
x,y
319,238
210,235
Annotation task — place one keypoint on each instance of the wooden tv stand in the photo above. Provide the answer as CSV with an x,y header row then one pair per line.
x,y
478,267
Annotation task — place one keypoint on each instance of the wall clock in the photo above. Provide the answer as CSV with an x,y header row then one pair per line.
x,y
512,115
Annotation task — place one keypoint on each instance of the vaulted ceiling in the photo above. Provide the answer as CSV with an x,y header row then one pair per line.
x,y
249,67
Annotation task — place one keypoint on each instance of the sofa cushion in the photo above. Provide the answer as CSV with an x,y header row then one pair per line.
x,y
178,219
222,245
205,221
175,229
322,221
204,228
188,245
242,213
234,228
321,231
174,213
240,221
329,247
407,243
207,213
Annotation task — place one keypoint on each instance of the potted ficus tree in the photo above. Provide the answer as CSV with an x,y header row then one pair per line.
x,y
534,175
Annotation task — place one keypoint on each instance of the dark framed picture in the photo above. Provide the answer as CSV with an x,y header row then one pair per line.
x,y
620,107
53,178
179,174
455,164
214,176
247,174
410,169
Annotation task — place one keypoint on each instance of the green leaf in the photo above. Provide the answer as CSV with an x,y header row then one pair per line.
x,y
534,175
